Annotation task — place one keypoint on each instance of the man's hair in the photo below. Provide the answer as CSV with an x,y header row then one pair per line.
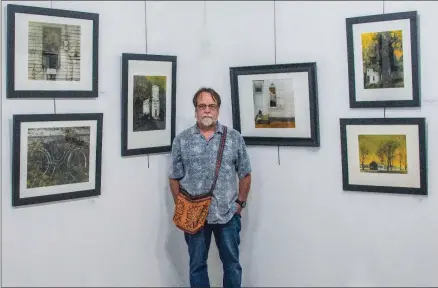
x,y
212,92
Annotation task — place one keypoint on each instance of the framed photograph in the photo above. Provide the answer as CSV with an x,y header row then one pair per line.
x,y
51,53
148,103
386,155
383,60
56,157
276,104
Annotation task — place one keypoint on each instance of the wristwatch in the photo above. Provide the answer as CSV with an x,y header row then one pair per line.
x,y
241,203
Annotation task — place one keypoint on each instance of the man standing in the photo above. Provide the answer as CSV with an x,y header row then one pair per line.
x,y
194,153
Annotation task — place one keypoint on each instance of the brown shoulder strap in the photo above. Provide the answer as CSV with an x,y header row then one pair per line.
x,y
219,158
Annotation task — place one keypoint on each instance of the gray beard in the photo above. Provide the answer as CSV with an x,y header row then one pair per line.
x,y
207,121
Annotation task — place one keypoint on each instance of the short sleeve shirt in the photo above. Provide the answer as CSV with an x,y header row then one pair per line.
x,y
194,163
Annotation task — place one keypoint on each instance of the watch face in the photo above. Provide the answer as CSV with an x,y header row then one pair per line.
x,y
243,204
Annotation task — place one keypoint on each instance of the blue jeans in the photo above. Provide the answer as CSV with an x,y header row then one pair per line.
x,y
227,238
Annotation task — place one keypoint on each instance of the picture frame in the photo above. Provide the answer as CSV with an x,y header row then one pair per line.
x,y
383,62
148,103
56,157
51,53
276,104
384,155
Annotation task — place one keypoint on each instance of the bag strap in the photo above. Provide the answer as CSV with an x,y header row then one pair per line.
x,y
219,158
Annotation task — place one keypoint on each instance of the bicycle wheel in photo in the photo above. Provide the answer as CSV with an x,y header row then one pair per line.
x,y
77,165
38,161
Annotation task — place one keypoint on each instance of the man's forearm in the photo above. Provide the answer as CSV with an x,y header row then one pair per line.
x,y
174,188
244,186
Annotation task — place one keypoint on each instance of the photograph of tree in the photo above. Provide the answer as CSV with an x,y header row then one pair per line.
x,y
149,103
54,51
382,54
274,105
57,156
383,154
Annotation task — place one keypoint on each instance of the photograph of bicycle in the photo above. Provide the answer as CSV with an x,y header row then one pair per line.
x,y
57,156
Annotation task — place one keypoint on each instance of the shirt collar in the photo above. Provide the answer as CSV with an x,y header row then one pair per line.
x,y
219,128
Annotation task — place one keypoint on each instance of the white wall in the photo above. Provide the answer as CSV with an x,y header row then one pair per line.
x,y
300,228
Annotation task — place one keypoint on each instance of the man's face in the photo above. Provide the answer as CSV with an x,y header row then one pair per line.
x,y
207,110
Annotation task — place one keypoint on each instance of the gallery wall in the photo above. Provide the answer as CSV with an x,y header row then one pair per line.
x,y
300,227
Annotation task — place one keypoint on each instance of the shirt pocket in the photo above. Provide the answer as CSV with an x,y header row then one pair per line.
x,y
229,159
194,154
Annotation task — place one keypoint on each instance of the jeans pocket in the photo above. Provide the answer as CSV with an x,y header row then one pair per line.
x,y
238,221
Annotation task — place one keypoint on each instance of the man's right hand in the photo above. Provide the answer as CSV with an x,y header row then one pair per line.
x,y
174,188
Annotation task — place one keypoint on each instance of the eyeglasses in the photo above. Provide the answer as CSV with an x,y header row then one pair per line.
x,y
204,106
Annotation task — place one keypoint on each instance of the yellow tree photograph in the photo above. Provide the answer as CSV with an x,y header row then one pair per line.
x,y
383,154
382,54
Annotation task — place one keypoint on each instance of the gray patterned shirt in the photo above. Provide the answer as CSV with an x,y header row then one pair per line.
x,y
194,164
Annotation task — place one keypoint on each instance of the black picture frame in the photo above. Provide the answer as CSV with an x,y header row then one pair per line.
x,y
371,155
59,156
144,129
58,61
312,138
403,88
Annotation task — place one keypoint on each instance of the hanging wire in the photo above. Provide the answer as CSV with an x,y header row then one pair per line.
x,y
145,29
275,61
146,39
383,12
54,99
275,37
204,18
